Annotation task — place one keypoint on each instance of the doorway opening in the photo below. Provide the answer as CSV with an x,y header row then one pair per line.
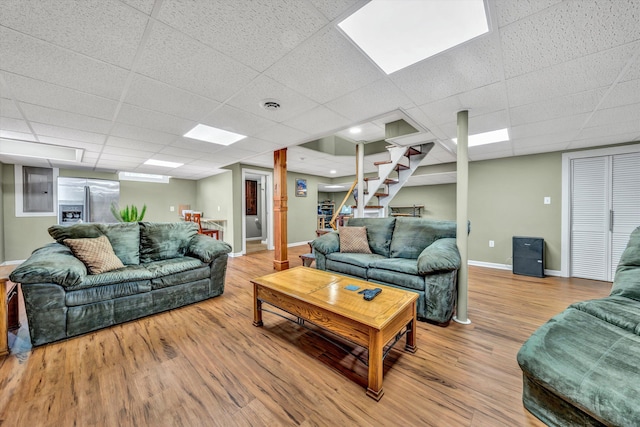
x,y
257,208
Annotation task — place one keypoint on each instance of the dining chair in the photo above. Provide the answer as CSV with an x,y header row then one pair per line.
x,y
206,231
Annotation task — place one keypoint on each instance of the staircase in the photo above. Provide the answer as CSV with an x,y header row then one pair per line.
x,y
392,175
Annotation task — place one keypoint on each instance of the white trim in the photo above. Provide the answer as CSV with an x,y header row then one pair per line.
x,y
235,254
565,227
290,245
17,170
509,267
14,262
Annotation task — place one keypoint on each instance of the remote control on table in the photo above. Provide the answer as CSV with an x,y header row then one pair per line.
x,y
370,294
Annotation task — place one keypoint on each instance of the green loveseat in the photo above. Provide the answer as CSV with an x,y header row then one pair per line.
x,y
166,265
582,366
415,254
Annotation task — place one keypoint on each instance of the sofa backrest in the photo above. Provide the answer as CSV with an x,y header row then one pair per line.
x,y
412,235
379,232
163,240
124,237
626,282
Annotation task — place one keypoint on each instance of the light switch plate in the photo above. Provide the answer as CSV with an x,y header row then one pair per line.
x,y
547,200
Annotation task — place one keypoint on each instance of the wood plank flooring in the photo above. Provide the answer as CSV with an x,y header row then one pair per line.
x,y
206,365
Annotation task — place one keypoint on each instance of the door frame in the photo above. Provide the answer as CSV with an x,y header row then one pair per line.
x,y
267,207
565,245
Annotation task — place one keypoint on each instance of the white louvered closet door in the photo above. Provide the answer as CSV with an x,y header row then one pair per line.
x,y
590,181
605,209
625,210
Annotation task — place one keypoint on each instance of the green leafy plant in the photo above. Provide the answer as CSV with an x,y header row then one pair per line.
x,y
128,214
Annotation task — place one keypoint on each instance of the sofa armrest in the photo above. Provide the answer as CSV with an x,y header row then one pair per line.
x,y
53,263
206,249
441,255
327,243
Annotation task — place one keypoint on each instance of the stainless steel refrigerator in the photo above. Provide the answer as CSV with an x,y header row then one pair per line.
x,y
86,200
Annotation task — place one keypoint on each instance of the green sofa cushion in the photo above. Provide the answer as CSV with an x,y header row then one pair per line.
x,y
412,235
327,243
206,249
354,258
379,232
53,263
166,240
124,237
441,255
588,362
400,265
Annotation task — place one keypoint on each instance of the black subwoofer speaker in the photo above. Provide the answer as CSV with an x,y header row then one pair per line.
x,y
528,256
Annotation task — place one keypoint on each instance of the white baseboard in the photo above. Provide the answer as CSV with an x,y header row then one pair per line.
x,y
290,245
20,261
509,267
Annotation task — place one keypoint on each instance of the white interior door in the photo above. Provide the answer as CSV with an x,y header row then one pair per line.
x,y
625,203
605,209
590,218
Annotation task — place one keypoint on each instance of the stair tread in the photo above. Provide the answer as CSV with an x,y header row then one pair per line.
x,y
391,181
368,207
372,178
381,194
383,162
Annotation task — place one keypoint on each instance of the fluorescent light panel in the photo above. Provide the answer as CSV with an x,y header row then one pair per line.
x,y
213,135
492,137
38,150
334,186
143,177
396,34
152,162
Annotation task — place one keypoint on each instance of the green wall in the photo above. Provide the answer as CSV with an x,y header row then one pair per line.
x,y
215,200
23,235
506,199
302,216
439,201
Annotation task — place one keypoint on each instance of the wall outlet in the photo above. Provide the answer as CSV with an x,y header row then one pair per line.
x,y
491,243
172,208
547,200
218,208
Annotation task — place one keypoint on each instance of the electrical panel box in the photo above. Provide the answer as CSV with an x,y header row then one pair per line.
x,y
528,256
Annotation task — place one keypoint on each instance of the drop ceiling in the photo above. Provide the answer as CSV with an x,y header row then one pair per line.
x,y
124,80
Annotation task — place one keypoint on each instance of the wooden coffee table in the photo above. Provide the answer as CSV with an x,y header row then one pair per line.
x,y
320,298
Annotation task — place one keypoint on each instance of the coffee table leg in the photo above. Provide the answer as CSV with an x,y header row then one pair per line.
x,y
374,388
411,336
257,307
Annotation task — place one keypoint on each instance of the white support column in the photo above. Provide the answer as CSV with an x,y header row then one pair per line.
x,y
462,216
360,176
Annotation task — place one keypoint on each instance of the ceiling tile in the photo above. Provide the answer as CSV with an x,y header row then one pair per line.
x,y
509,11
623,93
332,9
8,109
115,141
105,30
16,135
235,120
154,120
547,127
14,125
480,101
369,101
569,105
613,116
284,135
145,6
180,61
37,92
157,96
326,67
466,67
36,113
319,122
291,102
479,124
127,152
567,31
141,134
33,58
67,133
579,75
87,146
254,33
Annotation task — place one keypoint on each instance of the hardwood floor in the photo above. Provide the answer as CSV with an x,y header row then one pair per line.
x,y
207,365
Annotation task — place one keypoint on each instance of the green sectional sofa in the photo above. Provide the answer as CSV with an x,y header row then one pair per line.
x,y
163,266
415,254
582,366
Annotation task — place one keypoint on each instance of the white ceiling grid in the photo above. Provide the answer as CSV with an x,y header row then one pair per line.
x,y
124,80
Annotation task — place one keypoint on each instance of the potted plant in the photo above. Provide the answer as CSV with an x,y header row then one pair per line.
x,y
128,214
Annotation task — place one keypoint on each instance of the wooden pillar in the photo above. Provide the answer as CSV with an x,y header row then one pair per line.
x,y
281,261
462,216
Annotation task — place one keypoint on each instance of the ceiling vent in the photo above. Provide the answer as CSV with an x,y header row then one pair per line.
x,y
270,104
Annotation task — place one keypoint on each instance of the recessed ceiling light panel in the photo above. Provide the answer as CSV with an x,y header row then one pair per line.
x,y
396,34
492,137
213,135
153,162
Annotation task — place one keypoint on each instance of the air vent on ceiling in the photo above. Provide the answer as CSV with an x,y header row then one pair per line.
x,y
270,104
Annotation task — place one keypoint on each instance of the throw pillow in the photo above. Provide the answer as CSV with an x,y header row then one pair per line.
x,y
96,253
354,240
